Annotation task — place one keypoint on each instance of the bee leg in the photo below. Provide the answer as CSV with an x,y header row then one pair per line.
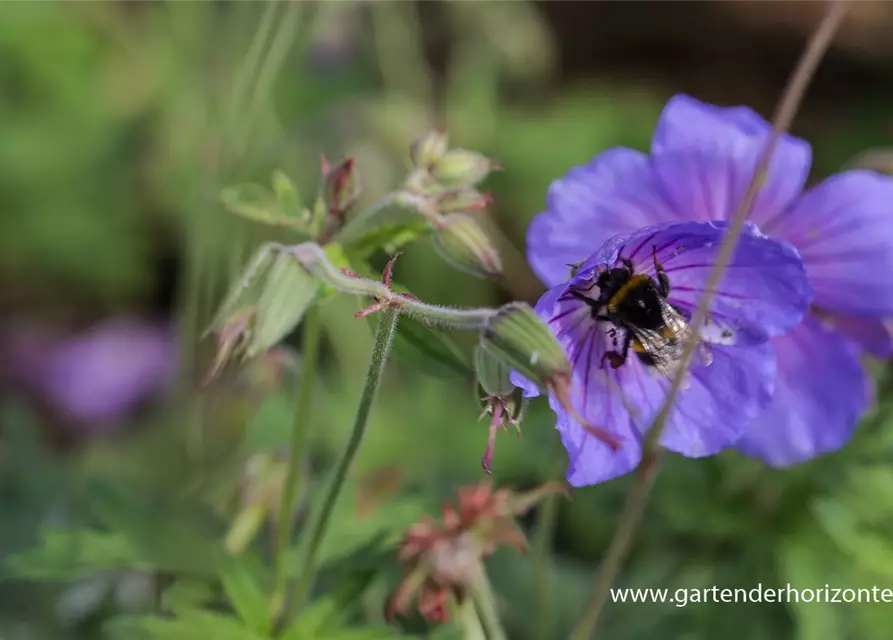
x,y
617,359
628,264
662,280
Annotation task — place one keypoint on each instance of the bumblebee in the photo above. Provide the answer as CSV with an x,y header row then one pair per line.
x,y
637,303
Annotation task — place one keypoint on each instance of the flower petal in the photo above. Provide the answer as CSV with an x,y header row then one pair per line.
x,y
615,193
821,393
843,229
764,291
705,156
721,401
873,336
711,412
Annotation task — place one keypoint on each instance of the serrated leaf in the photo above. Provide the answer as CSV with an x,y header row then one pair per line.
x,y
195,625
288,292
71,554
246,597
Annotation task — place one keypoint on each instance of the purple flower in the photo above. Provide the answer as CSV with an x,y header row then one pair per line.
x,y
764,293
702,159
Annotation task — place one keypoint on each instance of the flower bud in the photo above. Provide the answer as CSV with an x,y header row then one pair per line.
x,y
460,241
463,200
519,337
461,168
492,373
341,186
428,149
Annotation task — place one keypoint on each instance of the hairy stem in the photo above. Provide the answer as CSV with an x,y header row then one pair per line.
x,y
384,339
638,498
299,437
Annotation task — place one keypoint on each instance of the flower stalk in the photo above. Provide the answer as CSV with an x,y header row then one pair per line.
x,y
647,469
299,438
384,339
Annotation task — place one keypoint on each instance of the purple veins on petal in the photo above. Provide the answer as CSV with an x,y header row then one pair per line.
x,y
624,396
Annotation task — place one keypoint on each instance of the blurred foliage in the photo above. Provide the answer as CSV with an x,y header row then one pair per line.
x,y
121,123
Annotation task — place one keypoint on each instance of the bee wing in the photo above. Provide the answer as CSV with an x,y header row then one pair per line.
x,y
665,347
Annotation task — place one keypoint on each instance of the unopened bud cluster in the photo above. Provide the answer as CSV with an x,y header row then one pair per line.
x,y
443,188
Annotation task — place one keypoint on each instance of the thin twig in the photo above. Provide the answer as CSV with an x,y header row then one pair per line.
x,y
638,497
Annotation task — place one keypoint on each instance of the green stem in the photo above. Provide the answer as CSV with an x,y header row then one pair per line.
x,y
638,497
471,622
485,600
542,549
299,436
384,339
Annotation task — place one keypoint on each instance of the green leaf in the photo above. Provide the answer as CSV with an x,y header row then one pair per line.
x,y
430,350
72,554
165,534
287,196
288,293
194,625
322,621
389,237
246,597
870,550
258,204
803,564
185,595
245,292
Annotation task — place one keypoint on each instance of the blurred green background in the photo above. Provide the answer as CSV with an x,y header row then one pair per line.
x,y
120,123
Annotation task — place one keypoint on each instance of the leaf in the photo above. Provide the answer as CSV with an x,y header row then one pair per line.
x,y
388,237
246,597
164,534
287,195
288,293
251,201
194,625
258,204
430,350
245,292
322,621
803,563
186,594
71,554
